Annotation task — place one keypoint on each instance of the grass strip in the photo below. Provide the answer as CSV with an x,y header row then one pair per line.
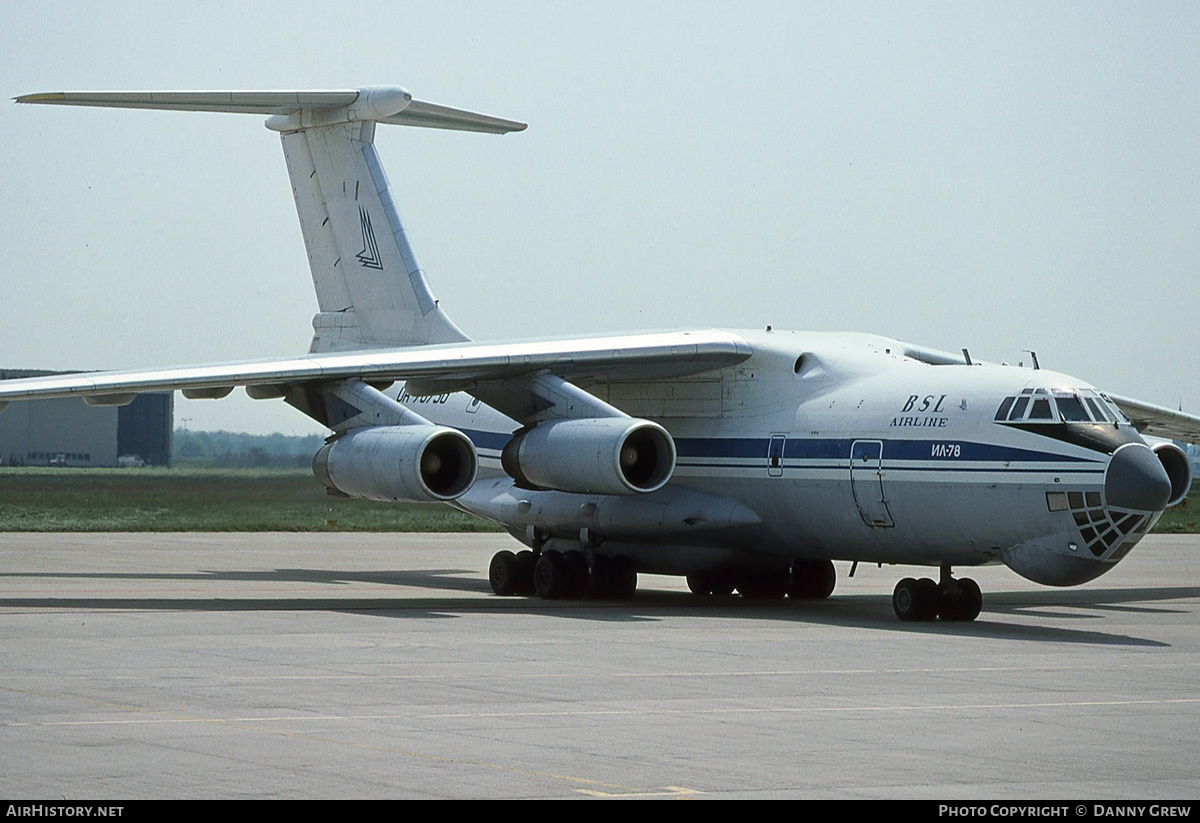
x,y
169,500
249,500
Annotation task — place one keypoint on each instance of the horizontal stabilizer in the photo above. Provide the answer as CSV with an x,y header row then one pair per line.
x,y
241,102
301,109
433,116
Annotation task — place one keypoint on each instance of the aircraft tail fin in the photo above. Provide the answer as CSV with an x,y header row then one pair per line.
x,y
371,290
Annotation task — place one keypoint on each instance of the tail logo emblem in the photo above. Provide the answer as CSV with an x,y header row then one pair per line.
x,y
369,256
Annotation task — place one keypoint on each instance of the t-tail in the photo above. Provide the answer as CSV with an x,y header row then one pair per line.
x,y
371,291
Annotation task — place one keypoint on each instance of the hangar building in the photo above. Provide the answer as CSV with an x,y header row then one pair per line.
x,y
69,432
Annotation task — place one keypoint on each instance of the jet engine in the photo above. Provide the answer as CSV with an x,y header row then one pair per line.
x,y
1178,468
603,455
398,463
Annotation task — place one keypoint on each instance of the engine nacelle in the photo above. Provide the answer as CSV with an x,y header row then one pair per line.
x,y
414,464
1178,468
602,455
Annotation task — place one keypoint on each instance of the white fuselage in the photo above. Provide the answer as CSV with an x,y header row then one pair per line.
x,y
842,448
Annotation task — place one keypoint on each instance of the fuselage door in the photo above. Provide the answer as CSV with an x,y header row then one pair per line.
x,y
775,456
866,482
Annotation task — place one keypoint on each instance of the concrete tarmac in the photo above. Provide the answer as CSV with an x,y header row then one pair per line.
x,y
366,665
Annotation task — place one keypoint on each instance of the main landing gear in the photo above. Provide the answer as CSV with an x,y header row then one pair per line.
x,y
948,599
559,575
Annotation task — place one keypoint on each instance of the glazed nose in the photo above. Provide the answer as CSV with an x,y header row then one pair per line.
x,y
1136,480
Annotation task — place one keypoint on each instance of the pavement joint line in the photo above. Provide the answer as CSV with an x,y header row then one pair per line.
x,y
171,717
634,675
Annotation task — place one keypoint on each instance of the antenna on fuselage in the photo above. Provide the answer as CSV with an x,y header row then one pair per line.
x,y
1033,354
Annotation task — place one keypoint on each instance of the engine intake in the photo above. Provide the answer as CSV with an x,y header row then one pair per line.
x,y
1179,470
608,455
414,464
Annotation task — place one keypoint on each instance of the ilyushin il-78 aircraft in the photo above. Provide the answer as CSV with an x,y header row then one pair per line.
x,y
746,461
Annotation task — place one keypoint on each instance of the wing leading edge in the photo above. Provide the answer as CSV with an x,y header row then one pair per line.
x,y
1159,421
629,357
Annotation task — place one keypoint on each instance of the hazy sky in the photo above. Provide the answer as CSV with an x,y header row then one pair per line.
x,y
999,176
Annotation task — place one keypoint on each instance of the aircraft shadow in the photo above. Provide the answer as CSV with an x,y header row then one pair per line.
x,y
853,610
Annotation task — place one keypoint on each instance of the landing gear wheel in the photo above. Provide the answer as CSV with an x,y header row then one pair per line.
x,y
622,578
960,600
504,574
575,566
930,599
700,584
915,599
600,580
972,598
824,579
612,578
549,576
526,561
812,579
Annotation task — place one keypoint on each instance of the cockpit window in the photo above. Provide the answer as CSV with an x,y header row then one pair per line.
x,y
1070,408
1116,410
1002,412
1098,412
1018,410
1037,405
1041,410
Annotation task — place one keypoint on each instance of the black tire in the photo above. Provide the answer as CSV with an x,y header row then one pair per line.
x,y
959,600
526,561
549,577
812,579
504,574
904,599
972,596
700,584
824,580
915,599
600,580
622,578
930,598
575,566
968,601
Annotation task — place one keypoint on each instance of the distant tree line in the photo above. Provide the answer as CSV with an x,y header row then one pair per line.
x,y
235,450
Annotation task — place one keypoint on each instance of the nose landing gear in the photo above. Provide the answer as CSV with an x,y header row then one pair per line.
x,y
949,599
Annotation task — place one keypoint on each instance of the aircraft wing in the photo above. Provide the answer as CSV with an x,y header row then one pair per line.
x,y
1159,421
625,357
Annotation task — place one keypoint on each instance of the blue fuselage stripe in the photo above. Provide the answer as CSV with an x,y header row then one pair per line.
x,y
834,453
893,450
